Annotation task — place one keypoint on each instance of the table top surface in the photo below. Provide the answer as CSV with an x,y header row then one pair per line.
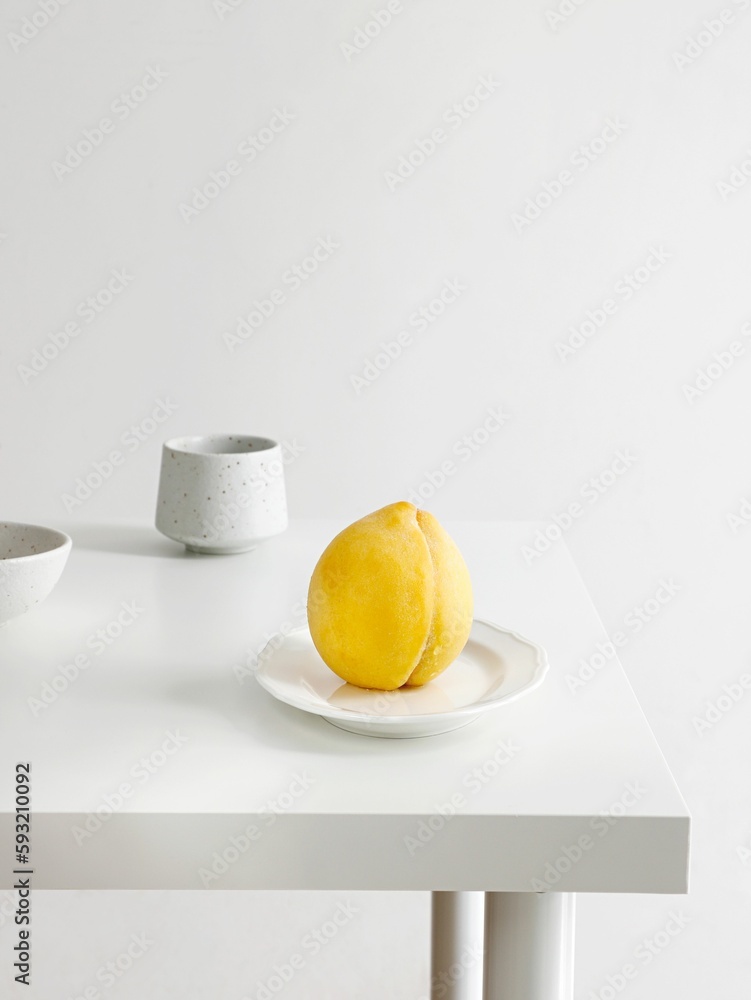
x,y
130,691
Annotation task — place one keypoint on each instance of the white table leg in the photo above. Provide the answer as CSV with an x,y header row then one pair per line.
x,y
456,945
529,946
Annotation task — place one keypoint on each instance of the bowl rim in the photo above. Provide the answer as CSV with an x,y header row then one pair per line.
x,y
62,541
194,445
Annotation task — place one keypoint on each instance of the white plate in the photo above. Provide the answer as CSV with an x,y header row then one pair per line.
x,y
494,667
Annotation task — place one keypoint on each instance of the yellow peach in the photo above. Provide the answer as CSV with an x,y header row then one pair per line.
x,y
390,600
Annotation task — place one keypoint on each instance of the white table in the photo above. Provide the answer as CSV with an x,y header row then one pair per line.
x,y
158,762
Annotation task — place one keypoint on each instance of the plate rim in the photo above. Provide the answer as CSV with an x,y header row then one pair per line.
x,y
542,666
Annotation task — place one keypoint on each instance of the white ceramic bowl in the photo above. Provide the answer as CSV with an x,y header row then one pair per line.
x,y
221,493
32,559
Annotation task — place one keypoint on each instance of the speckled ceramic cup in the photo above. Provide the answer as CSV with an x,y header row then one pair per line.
x,y
221,493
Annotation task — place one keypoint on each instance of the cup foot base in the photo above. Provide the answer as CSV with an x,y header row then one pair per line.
x,y
211,550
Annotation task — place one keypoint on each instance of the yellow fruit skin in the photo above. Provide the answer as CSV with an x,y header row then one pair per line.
x,y
452,608
390,600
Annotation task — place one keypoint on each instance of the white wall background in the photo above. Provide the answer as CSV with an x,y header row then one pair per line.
x,y
655,185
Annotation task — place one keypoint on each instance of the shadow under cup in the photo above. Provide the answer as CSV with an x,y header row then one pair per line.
x,y
221,493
